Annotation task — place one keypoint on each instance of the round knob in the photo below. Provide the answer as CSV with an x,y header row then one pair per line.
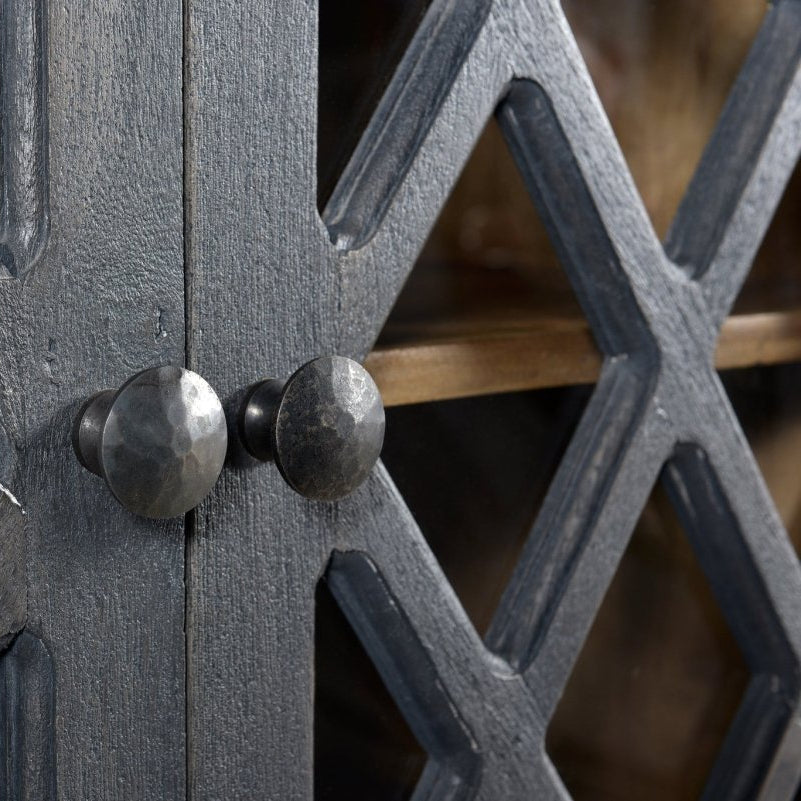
x,y
324,427
159,441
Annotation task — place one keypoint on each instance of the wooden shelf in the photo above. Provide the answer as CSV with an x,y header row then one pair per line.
x,y
469,330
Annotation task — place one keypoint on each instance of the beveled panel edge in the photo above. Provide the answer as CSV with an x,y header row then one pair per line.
x,y
24,207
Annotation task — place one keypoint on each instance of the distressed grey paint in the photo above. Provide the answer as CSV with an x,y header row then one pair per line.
x,y
260,255
262,300
100,593
101,590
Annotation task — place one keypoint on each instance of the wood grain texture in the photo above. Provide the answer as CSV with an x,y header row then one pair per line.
x,y
24,223
259,255
13,357
104,590
438,370
439,365
262,300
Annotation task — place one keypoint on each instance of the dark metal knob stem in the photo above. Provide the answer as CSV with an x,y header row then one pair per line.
x,y
159,441
323,427
258,417
89,430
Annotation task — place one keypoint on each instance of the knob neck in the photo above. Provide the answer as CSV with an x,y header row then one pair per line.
x,y
88,429
257,417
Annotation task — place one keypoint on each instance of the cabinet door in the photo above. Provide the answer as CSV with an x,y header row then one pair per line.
x,y
272,284
92,290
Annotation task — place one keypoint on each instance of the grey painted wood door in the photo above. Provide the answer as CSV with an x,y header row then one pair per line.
x,y
92,290
298,284
159,205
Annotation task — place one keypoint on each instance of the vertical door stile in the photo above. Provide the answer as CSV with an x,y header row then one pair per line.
x,y
92,701
262,294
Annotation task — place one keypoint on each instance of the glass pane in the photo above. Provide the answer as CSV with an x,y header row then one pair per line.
x,y
361,43
663,70
363,748
658,681
474,473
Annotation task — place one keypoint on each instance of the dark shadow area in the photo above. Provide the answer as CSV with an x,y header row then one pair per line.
x,y
474,473
361,43
767,401
658,682
363,748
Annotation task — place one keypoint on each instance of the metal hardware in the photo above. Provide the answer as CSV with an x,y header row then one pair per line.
x,y
323,427
159,441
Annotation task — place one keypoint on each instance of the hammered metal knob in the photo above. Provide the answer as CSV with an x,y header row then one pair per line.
x,y
323,427
159,441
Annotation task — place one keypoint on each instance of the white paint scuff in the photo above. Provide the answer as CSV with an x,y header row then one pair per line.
x,y
13,498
